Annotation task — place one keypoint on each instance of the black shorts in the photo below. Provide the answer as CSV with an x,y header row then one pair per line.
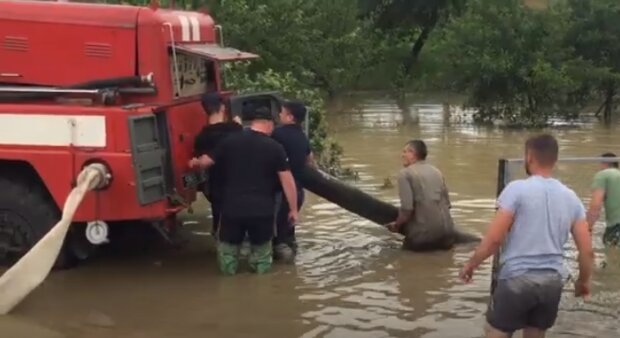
x,y
233,229
528,300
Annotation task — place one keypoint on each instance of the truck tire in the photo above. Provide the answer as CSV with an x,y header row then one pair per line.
x,y
27,213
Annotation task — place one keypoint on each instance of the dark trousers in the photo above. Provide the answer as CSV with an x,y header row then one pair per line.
x,y
216,213
285,231
234,229
216,207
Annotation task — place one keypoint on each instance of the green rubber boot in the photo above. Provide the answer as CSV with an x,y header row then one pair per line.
x,y
261,258
228,258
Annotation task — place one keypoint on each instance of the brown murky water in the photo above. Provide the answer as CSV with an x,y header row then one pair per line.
x,y
351,279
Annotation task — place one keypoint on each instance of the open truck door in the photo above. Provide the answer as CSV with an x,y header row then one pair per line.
x,y
271,100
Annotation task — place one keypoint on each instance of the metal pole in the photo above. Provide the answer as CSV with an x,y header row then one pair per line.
x,y
501,184
307,124
47,90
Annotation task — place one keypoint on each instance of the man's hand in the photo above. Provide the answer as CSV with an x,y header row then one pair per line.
x,y
582,288
393,227
202,162
194,163
237,119
467,273
293,217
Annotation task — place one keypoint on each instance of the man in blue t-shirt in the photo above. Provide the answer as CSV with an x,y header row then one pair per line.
x,y
295,142
534,219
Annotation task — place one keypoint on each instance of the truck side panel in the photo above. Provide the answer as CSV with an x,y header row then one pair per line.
x,y
36,52
59,141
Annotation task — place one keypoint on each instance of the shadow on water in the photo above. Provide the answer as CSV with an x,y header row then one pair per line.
x,y
351,279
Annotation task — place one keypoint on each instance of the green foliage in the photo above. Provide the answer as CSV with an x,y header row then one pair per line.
x,y
595,35
407,25
327,151
518,63
511,61
322,43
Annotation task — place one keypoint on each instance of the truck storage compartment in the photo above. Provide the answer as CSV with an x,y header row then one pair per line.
x,y
54,44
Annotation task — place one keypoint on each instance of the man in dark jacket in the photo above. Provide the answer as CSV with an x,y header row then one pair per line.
x,y
297,146
211,135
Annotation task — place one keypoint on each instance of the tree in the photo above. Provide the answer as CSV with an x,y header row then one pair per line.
x,y
511,61
595,36
411,21
321,42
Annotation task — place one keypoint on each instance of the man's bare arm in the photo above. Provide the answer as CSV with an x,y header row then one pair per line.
x,y
311,161
203,162
499,227
403,217
290,190
583,240
406,195
596,204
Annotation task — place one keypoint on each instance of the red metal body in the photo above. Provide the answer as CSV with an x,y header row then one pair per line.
x,y
57,44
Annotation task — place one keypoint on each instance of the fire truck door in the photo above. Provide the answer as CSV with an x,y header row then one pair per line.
x,y
272,100
149,155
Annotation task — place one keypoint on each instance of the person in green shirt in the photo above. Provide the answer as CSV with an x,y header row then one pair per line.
x,y
606,192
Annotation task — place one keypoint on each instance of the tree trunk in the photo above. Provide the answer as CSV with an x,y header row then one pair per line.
x,y
416,49
610,93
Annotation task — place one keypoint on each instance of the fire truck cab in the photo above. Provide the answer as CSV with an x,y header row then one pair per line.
x,y
114,84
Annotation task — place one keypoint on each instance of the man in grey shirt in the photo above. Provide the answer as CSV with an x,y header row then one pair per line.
x,y
534,219
424,216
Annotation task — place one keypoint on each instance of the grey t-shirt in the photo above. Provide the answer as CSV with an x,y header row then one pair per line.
x,y
544,211
422,189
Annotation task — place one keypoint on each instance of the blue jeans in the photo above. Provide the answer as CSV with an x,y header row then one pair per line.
x,y
285,230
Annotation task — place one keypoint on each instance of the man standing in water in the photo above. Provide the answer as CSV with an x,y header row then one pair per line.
x,y
534,218
606,191
291,136
206,141
254,167
424,216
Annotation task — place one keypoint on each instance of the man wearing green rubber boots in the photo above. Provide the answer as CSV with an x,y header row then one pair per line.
x,y
254,167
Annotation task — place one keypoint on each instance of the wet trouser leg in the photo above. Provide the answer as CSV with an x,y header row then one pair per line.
x,y
529,300
285,232
216,207
260,233
231,235
611,237
426,237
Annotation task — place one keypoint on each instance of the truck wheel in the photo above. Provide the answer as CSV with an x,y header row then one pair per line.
x,y
26,215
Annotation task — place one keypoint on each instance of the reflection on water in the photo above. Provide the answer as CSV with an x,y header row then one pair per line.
x,y
351,279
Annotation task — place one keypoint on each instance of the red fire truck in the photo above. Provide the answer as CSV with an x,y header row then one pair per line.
x,y
119,85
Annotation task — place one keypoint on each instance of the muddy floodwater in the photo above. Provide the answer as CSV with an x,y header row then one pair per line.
x,y
351,279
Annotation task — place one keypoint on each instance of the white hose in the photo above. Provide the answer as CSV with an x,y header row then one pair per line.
x,y
32,269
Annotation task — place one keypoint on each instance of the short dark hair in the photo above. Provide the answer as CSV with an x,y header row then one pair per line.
x,y
261,113
544,148
419,147
610,154
297,109
211,103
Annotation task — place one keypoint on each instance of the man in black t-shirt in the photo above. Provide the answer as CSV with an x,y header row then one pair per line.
x,y
208,138
254,168
297,146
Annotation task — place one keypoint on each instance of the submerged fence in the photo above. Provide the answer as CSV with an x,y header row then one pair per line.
x,y
576,172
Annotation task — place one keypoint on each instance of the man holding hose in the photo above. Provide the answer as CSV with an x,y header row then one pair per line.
x,y
254,166
534,219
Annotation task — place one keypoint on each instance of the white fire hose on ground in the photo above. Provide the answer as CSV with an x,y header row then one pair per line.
x,y
32,269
